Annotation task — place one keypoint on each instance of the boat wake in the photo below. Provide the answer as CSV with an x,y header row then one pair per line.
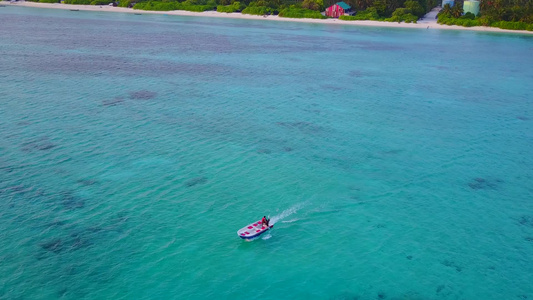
x,y
267,236
294,209
290,221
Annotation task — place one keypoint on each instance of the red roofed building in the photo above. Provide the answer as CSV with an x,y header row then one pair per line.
x,y
338,9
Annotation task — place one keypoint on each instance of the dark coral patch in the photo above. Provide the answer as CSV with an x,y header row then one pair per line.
x,y
73,242
55,246
477,183
482,183
40,144
62,293
393,152
120,218
382,295
78,242
345,296
56,223
113,102
87,182
452,264
409,257
6,168
17,189
440,288
142,95
356,74
526,221
264,151
70,201
304,127
314,111
287,149
195,181
333,87
95,229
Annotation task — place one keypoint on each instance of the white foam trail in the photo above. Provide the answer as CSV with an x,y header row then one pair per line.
x,y
294,209
267,236
290,221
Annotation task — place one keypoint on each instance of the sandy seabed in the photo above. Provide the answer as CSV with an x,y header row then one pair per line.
x,y
423,24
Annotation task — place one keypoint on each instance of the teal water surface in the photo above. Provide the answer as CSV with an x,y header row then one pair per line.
x,y
395,163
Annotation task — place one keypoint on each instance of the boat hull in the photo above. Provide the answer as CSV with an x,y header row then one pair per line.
x,y
253,230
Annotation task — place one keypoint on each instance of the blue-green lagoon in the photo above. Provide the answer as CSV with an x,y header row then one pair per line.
x,y
395,163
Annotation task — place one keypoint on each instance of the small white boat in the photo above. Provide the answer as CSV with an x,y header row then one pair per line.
x,y
253,230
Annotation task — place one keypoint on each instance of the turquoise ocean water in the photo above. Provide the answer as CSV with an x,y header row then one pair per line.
x,y
395,163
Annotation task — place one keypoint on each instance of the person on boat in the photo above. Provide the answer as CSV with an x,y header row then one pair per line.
x,y
265,221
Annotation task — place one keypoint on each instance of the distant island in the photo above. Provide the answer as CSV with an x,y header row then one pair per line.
x,y
503,14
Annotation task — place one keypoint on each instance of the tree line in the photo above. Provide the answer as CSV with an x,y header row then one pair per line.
x,y
505,14
508,10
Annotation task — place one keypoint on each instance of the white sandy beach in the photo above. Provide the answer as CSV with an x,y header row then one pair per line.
x,y
428,22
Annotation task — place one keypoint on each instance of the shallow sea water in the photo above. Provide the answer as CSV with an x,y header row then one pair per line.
x,y
395,163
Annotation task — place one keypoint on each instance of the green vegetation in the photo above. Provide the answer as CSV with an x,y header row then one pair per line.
x,y
513,25
383,10
369,14
402,14
259,9
386,8
82,2
124,3
391,10
465,22
414,8
235,7
508,10
101,2
317,5
189,5
44,1
505,14
295,12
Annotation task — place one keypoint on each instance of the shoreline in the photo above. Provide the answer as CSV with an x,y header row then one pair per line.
x,y
106,8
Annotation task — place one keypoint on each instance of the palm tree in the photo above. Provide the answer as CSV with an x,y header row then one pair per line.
x,y
457,11
515,13
446,10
